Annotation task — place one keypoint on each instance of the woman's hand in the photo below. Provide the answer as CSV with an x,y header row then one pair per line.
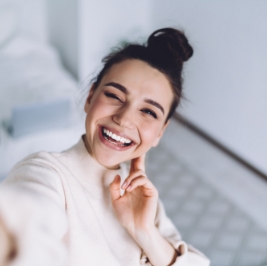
x,y
136,209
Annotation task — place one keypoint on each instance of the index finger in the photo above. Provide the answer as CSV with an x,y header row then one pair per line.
x,y
138,163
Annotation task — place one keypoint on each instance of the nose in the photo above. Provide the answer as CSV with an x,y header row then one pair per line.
x,y
125,117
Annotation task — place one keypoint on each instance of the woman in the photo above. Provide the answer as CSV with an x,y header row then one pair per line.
x,y
83,205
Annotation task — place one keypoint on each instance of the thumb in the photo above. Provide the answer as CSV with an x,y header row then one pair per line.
x,y
114,188
138,163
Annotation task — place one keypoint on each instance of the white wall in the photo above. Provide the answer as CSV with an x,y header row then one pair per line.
x,y
104,23
226,80
62,18
32,19
84,31
25,17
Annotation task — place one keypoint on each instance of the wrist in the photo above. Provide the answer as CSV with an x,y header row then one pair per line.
x,y
144,234
146,237
156,247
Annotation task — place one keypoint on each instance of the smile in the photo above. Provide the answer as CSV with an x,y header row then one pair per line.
x,y
115,139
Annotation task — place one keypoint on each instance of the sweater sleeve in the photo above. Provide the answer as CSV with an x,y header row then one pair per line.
x,y
32,208
188,256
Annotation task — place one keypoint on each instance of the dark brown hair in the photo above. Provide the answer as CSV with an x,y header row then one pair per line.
x,y
166,49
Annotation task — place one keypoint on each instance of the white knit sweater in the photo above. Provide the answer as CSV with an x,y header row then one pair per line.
x,y
58,208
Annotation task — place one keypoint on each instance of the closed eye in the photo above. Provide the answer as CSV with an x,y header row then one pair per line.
x,y
112,95
150,112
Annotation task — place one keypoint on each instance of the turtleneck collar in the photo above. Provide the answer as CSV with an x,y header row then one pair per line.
x,y
90,173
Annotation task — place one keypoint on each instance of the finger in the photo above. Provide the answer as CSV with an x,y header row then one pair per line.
x,y
145,183
132,176
138,163
114,188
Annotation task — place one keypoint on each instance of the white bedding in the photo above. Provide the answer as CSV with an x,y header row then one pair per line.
x,y
31,72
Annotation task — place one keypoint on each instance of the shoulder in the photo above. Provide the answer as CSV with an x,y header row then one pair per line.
x,y
41,161
38,172
33,202
45,168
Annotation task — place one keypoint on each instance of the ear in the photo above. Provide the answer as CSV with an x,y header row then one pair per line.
x,y
156,141
89,98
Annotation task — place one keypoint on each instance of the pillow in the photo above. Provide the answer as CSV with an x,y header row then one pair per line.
x,y
34,84
31,72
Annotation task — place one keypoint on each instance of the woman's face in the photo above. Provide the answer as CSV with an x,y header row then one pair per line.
x,y
126,114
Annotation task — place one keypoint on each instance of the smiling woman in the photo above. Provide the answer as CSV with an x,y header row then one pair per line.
x,y
84,202
129,102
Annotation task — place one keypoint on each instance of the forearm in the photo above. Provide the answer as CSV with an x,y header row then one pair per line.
x,y
6,244
157,248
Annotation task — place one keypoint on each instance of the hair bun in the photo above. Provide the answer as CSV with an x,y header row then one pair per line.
x,y
171,42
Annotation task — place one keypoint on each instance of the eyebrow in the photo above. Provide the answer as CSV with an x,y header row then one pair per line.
x,y
117,86
124,90
155,104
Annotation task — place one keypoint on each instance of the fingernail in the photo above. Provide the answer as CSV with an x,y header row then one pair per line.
x,y
129,187
124,185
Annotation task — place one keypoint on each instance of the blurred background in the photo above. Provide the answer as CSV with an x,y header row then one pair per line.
x,y
211,165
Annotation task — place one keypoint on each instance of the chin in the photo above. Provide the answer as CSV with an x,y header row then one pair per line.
x,y
109,161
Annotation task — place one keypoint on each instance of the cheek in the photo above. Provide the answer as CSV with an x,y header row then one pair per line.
x,y
149,132
99,109
96,111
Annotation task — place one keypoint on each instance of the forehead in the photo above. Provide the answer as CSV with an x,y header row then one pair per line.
x,y
141,79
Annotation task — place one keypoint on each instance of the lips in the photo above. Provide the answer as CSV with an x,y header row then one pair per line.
x,y
114,139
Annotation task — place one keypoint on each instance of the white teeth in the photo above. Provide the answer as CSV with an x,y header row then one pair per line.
x,y
116,137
